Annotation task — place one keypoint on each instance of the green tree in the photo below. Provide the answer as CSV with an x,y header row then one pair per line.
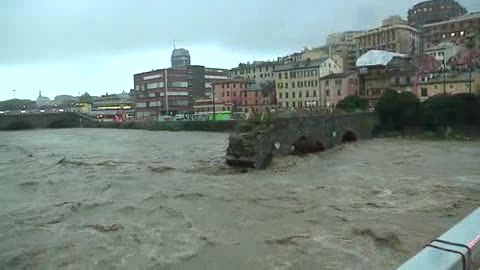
x,y
398,110
86,98
353,103
445,110
17,104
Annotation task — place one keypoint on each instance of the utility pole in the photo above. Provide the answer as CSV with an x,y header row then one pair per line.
x,y
444,79
14,93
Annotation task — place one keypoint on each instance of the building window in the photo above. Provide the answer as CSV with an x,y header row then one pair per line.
x,y
435,87
245,94
314,93
327,92
293,84
326,83
286,85
286,94
293,94
300,94
462,33
339,92
234,85
223,94
286,75
293,104
424,92
397,81
409,80
279,95
316,83
286,104
223,86
256,94
307,94
452,34
228,94
280,104
245,102
280,86
338,82
279,76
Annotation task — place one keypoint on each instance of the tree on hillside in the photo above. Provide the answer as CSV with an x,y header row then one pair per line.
x,y
353,103
398,110
17,104
86,98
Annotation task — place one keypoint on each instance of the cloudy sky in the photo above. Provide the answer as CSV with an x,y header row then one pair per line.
x,y
95,46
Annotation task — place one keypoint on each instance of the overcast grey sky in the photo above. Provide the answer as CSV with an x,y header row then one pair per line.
x,y
95,46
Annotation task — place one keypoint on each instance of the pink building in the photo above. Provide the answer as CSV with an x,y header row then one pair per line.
x,y
240,95
336,87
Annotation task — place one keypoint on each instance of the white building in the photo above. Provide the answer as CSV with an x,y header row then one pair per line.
x,y
443,52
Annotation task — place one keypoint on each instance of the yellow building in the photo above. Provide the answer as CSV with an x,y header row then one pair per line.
x,y
393,36
456,84
297,83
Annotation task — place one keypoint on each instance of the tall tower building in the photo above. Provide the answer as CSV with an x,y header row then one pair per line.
x,y
180,58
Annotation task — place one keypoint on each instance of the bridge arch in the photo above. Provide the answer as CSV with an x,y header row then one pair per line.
x,y
349,136
306,145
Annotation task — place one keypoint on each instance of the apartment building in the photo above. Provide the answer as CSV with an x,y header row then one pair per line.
x,y
258,71
241,95
336,87
453,83
297,83
309,54
456,30
393,36
379,71
170,91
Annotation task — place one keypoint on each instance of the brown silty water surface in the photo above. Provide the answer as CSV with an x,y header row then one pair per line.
x,y
118,199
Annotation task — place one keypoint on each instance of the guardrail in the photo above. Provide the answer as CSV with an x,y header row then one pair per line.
x,y
457,249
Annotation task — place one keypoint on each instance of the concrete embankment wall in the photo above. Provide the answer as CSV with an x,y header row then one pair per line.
x,y
74,120
212,126
33,121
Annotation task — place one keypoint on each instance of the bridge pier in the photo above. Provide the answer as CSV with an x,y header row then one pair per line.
x,y
255,146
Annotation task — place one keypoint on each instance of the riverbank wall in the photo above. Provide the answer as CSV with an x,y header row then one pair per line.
x,y
208,126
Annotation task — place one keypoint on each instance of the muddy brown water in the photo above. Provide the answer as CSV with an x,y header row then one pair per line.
x,y
126,199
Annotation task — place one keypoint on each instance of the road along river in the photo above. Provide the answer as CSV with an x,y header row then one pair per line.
x,y
134,199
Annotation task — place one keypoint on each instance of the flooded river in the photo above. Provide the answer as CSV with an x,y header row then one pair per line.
x,y
126,199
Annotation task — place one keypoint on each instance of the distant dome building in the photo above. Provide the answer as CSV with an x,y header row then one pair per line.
x,y
180,58
433,11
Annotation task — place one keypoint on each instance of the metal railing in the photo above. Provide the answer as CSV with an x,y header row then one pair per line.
x,y
457,249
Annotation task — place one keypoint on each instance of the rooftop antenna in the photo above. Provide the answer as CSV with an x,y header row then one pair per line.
x,y
174,45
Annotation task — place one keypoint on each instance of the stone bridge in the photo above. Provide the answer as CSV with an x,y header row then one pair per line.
x,y
254,144
40,120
